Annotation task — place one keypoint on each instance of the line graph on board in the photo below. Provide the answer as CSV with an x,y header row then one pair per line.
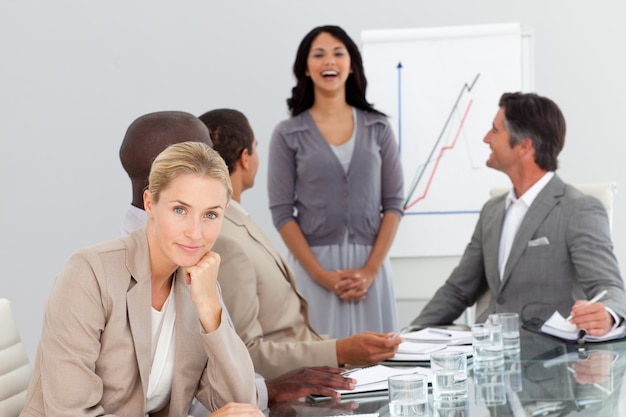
x,y
412,198
443,166
440,90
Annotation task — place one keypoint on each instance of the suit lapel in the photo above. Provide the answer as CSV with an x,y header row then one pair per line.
x,y
189,360
493,227
139,302
537,212
236,215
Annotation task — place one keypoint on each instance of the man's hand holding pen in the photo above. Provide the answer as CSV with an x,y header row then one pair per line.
x,y
592,316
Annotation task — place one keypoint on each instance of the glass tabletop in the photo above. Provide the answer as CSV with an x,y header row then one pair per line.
x,y
548,379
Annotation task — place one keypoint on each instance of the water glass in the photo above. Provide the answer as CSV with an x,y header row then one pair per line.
x,y
449,369
510,332
487,345
408,395
490,386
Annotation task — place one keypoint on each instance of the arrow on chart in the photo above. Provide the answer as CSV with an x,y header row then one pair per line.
x,y
399,106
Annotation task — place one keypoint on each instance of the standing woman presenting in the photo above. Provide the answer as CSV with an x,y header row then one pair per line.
x,y
135,326
336,190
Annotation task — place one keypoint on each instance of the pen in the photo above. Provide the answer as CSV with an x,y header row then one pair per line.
x,y
441,332
595,299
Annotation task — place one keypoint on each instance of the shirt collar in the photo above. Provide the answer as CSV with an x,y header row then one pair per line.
x,y
529,196
140,214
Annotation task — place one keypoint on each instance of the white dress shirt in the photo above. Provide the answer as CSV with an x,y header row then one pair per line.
x,y
515,210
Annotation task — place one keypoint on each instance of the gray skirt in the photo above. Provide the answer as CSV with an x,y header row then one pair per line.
x,y
336,318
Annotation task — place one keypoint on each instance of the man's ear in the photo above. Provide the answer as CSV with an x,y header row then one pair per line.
x,y
244,158
526,144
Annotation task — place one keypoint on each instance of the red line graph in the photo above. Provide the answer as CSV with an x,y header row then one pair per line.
x,y
441,151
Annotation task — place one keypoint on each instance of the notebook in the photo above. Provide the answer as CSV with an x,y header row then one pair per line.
x,y
560,327
372,381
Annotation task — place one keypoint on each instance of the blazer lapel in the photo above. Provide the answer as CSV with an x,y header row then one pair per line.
x,y
493,227
139,302
537,212
240,218
190,360
236,215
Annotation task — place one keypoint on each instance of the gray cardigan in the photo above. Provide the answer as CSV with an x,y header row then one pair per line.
x,y
307,183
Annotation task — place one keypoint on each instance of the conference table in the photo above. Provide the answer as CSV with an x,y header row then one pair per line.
x,y
548,379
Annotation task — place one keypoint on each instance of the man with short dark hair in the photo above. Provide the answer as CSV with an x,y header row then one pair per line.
x,y
145,138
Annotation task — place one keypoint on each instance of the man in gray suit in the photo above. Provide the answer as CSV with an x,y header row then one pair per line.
x,y
543,245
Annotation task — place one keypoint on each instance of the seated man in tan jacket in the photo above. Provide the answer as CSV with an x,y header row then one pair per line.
x,y
257,285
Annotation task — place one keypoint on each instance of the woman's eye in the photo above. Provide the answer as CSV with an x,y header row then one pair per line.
x,y
179,210
211,215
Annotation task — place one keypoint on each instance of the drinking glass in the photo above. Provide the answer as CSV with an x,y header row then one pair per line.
x,y
408,395
487,344
449,370
510,332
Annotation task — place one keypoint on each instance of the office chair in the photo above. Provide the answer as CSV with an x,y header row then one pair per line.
x,y
605,192
15,368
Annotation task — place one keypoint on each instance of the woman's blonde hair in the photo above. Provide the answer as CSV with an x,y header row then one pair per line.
x,y
187,158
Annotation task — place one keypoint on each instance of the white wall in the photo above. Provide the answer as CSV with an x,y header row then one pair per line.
x,y
74,74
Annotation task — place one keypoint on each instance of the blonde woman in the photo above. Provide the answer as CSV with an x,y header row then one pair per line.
x,y
135,326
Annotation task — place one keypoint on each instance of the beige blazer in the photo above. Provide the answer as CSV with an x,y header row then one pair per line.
x,y
94,356
260,294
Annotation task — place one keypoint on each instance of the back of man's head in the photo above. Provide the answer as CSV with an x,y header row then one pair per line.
x,y
231,133
150,134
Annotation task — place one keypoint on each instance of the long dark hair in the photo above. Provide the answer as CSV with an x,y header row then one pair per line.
x,y
302,95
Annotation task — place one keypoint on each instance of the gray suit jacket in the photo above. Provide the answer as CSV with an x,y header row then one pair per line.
x,y
94,356
561,253
259,291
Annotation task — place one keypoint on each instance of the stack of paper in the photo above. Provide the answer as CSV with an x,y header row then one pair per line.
x,y
373,379
425,357
434,335
417,348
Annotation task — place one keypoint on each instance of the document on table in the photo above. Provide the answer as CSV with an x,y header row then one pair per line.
x,y
558,326
416,348
373,380
436,335
401,356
